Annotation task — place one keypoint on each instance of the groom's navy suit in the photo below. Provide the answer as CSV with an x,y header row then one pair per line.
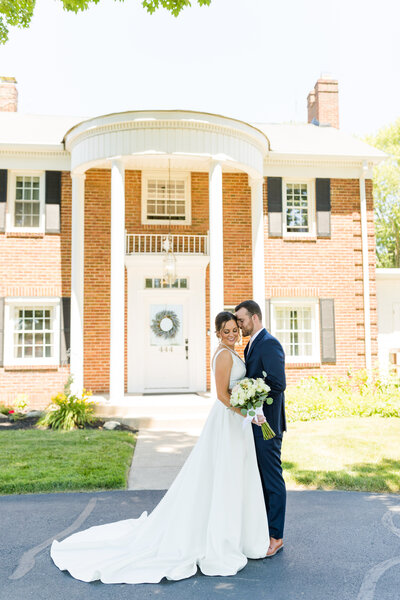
x,y
266,354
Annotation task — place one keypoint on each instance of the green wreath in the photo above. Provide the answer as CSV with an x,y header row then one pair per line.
x,y
164,329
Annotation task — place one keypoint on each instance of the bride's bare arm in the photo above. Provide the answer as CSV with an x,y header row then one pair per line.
x,y
223,367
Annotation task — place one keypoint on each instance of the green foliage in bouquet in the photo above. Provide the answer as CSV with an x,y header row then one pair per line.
x,y
68,411
355,394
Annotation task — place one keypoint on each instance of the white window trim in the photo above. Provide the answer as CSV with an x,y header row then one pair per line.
x,y
311,208
164,174
10,305
11,188
300,302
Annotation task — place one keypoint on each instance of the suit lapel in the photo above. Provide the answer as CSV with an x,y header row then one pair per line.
x,y
246,350
258,338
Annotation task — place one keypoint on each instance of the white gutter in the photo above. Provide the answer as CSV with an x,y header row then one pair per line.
x,y
365,263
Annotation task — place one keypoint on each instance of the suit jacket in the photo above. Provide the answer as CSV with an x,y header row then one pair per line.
x,y
266,354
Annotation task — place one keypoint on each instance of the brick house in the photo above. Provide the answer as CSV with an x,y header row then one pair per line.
x,y
121,235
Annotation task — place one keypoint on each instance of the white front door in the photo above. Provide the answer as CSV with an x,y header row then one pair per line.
x,y
166,343
166,326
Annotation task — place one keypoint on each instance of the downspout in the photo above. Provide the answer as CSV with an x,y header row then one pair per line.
x,y
365,264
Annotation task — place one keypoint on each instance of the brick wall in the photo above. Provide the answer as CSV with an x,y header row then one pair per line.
x,y
36,266
329,268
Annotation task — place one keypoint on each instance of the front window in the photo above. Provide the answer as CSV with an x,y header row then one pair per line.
x,y
26,202
166,198
299,208
32,331
295,325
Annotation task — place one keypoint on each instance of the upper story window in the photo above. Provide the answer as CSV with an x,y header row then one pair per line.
x,y
295,324
26,201
32,331
166,198
298,208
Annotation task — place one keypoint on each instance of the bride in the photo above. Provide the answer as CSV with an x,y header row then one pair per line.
x,y
213,516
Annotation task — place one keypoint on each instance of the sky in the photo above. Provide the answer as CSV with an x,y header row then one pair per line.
x,y
254,60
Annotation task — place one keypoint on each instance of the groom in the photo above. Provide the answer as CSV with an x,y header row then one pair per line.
x,y
265,353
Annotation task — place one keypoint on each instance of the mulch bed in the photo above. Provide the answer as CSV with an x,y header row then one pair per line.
x,y
30,423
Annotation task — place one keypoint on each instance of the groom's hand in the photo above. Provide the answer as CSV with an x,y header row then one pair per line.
x,y
259,420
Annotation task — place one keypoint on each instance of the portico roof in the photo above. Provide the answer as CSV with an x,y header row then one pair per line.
x,y
47,132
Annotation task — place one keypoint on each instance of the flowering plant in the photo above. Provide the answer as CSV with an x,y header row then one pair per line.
x,y
21,403
249,395
68,411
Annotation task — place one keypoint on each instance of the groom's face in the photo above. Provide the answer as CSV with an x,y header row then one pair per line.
x,y
245,322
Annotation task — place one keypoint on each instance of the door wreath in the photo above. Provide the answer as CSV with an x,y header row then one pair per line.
x,y
165,324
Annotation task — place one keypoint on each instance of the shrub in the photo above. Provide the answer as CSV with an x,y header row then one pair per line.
x,y
68,411
355,394
4,410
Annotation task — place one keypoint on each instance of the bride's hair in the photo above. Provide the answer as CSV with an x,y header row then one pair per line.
x,y
222,318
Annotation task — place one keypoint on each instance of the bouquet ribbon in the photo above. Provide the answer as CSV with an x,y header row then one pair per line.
x,y
248,418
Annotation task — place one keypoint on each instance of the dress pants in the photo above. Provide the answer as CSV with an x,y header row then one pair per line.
x,y
270,467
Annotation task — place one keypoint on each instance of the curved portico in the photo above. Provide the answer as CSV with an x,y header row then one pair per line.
x,y
173,140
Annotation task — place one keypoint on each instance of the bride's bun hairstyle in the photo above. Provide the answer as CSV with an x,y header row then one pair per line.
x,y
222,318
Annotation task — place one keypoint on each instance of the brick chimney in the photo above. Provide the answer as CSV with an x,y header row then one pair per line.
x,y
323,102
8,94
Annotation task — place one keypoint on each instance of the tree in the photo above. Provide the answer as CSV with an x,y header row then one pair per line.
x,y
18,13
387,196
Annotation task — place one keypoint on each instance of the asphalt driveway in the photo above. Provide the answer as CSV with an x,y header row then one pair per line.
x,y
338,545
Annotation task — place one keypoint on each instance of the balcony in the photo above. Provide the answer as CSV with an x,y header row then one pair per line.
x,y
149,243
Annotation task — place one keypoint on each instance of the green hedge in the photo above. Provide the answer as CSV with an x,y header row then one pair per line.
x,y
317,398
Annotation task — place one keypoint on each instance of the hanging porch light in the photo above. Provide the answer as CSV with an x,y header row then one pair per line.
x,y
169,261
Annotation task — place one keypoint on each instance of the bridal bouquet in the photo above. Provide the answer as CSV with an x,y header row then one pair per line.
x,y
249,395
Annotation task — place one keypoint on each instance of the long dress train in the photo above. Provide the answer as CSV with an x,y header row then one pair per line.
x,y
213,515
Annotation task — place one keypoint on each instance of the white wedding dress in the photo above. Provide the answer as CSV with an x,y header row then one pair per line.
x,y
213,515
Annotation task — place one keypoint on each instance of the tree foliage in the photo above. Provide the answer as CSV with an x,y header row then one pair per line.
x,y
18,13
387,196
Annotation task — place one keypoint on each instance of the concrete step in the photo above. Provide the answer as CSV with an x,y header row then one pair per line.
x,y
173,412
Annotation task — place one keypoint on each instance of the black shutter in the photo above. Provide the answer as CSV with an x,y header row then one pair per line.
x,y
1,331
65,321
53,201
274,187
327,320
323,201
267,316
3,198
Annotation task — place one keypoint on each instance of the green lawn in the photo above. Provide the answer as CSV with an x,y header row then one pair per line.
x,y
49,461
343,454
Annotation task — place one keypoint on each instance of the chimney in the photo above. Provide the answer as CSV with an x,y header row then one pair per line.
x,y
323,102
8,94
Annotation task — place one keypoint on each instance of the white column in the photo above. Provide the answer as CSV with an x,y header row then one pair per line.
x,y
216,248
365,261
77,272
257,230
117,296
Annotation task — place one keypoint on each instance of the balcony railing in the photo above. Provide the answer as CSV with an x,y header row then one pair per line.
x,y
149,243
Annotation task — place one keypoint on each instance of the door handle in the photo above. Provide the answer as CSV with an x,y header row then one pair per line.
x,y
187,348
